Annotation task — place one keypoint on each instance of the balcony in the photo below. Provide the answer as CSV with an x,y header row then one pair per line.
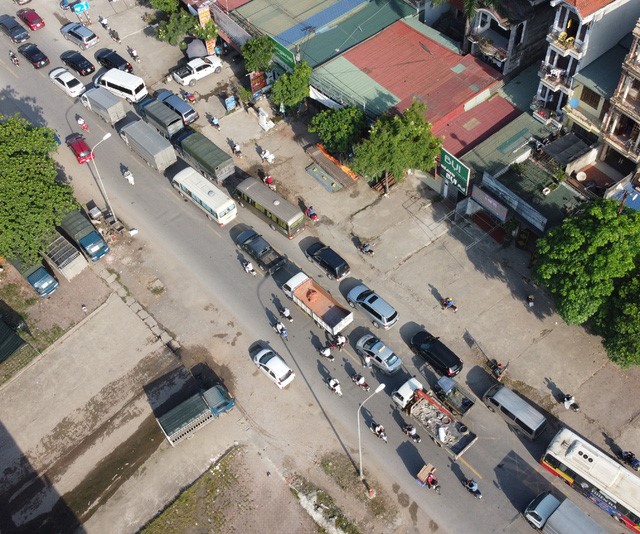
x,y
546,114
624,145
555,77
588,121
491,44
628,106
564,45
633,64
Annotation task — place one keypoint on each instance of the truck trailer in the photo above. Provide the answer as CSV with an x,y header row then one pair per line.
x,y
165,120
104,104
317,303
204,156
84,234
145,141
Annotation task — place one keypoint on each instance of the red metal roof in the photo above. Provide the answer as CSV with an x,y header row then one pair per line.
x,y
410,65
588,7
474,126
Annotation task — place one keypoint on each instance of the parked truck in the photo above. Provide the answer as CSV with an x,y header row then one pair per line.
x,y
440,423
316,302
165,120
85,235
197,69
551,516
204,156
104,104
63,256
195,412
37,275
145,141
454,396
267,258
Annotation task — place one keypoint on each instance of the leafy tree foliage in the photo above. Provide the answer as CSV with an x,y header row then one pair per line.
x,y
580,261
167,6
292,88
173,30
397,143
257,53
206,33
339,129
32,202
618,322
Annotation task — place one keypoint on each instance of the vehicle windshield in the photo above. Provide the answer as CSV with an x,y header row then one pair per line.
x,y
369,343
365,294
391,359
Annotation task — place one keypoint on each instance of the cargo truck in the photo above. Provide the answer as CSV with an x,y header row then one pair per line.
x,y
63,256
204,156
85,235
195,412
317,303
165,120
145,141
37,275
440,424
551,516
104,104
454,396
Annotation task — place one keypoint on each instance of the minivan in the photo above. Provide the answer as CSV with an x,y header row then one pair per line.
x,y
518,413
175,103
381,313
123,84
79,34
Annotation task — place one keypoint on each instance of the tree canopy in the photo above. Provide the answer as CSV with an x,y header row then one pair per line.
x,y
32,202
339,129
207,32
580,260
167,6
179,23
397,143
292,88
257,53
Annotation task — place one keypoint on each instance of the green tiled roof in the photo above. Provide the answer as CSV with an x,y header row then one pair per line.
x,y
603,74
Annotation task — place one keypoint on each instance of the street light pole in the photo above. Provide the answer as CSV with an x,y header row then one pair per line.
x,y
100,184
378,390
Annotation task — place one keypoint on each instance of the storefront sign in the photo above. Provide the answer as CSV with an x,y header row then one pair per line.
x,y
490,204
283,55
454,172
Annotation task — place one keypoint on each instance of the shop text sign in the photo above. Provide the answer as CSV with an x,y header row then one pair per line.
x,y
454,171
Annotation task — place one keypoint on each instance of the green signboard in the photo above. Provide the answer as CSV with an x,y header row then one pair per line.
x,y
454,172
283,55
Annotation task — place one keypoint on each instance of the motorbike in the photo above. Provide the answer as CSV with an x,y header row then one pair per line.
x,y
310,212
114,35
83,124
134,54
447,304
498,370
426,477
14,58
472,487
414,437
334,385
365,248
570,403
359,381
248,267
282,332
382,435
188,97
630,459
325,352
286,314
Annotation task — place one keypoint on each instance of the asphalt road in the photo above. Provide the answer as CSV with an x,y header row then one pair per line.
x,y
505,466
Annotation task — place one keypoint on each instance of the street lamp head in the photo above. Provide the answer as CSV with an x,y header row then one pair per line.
x,y
106,136
380,388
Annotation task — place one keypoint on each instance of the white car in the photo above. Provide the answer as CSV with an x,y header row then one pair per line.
x,y
274,367
66,81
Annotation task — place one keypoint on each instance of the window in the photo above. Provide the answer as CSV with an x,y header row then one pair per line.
x,y
590,98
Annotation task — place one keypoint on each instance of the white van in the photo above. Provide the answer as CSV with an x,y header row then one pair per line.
x,y
518,413
123,84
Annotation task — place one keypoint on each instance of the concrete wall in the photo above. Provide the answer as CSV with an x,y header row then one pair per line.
x,y
583,161
432,13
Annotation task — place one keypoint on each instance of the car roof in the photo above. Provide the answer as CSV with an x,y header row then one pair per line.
x,y
57,72
438,347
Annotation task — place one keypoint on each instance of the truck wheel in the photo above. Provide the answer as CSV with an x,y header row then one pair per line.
x,y
192,83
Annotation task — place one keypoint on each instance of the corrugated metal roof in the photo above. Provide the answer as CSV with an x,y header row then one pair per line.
x,y
411,65
603,74
588,7
348,85
183,414
272,17
359,26
474,126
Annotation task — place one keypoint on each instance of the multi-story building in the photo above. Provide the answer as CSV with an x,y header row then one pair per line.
x,y
622,124
582,31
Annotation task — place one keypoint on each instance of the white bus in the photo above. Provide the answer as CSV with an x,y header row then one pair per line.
x,y
217,205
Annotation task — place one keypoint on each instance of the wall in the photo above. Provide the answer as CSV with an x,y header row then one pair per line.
x,y
584,160
432,13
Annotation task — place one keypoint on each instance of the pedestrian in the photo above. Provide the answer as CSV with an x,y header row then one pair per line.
x,y
367,361
236,150
216,123
530,301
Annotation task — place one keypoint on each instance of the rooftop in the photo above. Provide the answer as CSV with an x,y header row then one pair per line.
x,y
603,74
588,7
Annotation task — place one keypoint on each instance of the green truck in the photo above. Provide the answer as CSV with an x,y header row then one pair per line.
x,y
37,275
204,156
85,235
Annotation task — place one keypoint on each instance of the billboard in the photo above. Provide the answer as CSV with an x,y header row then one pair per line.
x,y
283,55
454,171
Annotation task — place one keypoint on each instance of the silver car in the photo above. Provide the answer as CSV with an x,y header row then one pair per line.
x,y
381,355
381,313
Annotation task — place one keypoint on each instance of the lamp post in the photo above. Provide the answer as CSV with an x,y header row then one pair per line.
x,y
100,184
378,390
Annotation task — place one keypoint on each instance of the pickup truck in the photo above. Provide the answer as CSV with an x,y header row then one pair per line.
x,y
196,69
256,246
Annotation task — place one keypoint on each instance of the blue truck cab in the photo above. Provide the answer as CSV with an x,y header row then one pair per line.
x,y
94,246
219,400
37,275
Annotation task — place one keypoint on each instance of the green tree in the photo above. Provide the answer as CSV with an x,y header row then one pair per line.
x,y
166,6
32,202
257,53
292,88
339,129
580,260
397,143
206,33
173,30
618,322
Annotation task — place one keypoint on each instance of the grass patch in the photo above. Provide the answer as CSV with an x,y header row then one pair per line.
x,y
157,290
17,298
342,471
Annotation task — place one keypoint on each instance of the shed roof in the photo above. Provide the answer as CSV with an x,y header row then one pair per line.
x,y
603,74
409,64
10,341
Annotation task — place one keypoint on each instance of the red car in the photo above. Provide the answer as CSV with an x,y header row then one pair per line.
x,y
31,19
79,147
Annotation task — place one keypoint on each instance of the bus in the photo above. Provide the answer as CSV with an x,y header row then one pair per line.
x,y
217,205
602,480
279,213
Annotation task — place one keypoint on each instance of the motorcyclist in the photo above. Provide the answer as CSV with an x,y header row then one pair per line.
x,y
448,303
568,400
280,328
472,485
341,341
248,267
285,313
432,480
325,351
334,384
360,380
311,213
379,430
236,150
81,121
410,430
366,248
13,57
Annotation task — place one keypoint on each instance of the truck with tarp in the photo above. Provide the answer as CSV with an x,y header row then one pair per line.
x,y
85,235
144,140
204,155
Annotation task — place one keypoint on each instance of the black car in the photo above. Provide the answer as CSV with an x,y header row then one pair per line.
x,y
436,353
33,55
79,63
13,29
334,264
110,59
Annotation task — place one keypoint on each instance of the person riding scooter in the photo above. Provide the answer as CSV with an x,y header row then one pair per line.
x,y
379,430
334,385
